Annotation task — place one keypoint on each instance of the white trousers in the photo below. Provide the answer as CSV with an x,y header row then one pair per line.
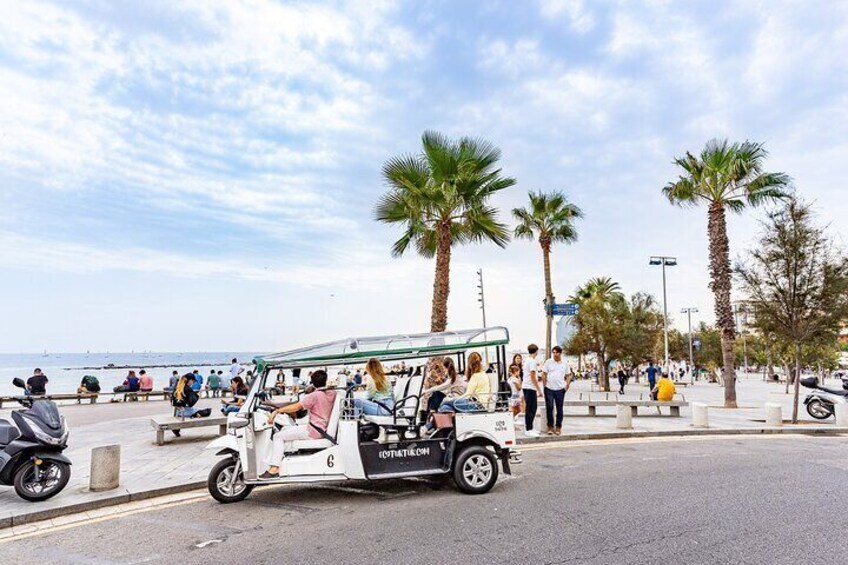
x,y
282,442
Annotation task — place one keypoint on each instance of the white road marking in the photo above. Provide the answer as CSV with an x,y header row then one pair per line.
x,y
203,544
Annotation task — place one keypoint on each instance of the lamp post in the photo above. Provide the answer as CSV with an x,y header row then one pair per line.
x,y
739,308
482,300
689,311
665,262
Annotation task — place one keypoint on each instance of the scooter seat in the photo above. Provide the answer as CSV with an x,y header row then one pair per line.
x,y
8,433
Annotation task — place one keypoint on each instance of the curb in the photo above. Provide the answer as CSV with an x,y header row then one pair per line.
x,y
125,497
829,431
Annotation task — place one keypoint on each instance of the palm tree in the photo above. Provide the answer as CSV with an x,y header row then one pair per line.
x,y
441,196
550,219
725,176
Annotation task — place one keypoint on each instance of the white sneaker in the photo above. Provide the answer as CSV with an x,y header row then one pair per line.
x,y
532,433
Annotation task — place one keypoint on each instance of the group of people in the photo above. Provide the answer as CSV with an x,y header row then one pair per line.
x,y
530,379
443,392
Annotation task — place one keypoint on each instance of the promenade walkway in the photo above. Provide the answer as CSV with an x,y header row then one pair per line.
x,y
184,463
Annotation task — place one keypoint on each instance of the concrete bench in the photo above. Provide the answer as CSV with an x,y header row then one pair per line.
x,y
163,424
593,405
92,397
673,405
144,395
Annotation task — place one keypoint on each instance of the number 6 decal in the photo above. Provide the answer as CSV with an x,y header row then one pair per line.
x,y
330,461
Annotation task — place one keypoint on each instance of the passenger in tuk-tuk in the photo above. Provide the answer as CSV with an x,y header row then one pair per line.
x,y
379,395
319,403
477,392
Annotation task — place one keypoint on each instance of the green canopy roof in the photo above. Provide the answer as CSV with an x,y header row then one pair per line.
x,y
402,346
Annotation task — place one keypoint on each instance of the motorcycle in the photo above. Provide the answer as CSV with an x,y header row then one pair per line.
x,y
31,457
820,402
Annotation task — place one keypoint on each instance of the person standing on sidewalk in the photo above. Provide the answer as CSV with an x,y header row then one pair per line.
x,y
651,373
556,379
531,390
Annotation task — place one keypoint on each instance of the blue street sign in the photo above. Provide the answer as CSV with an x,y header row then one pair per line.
x,y
568,309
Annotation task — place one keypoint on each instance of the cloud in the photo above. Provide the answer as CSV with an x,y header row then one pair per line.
x,y
574,12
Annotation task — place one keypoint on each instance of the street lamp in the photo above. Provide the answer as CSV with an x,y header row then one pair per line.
x,y
665,262
689,312
739,308
482,300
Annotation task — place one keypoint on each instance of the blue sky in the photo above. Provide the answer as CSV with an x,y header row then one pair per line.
x,y
201,175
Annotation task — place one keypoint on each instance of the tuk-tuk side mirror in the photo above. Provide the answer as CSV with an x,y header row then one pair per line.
x,y
19,382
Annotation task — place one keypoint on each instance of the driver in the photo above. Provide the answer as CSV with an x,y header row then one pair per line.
x,y
319,403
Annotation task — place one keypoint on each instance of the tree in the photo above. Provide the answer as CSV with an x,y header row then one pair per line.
x,y
441,198
549,219
797,283
643,329
725,176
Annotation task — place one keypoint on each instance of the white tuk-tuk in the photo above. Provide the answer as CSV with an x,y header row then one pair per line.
x,y
468,449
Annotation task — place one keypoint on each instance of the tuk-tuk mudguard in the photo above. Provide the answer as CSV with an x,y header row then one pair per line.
x,y
224,443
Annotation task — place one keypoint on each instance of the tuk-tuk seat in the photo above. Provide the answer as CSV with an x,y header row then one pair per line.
x,y
332,429
407,400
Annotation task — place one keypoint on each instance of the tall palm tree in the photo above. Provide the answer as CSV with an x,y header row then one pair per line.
x,y
440,196
725,176
549,219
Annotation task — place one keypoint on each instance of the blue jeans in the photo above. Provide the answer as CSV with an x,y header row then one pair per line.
x,y
554,398
230,409
186,412
371,408
461,405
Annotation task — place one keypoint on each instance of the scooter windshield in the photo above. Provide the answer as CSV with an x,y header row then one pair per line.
x,y
47,412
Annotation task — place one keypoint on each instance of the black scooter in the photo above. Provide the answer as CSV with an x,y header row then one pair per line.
x,y
31,457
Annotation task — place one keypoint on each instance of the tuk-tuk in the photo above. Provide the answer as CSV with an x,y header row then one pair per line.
x,y
468,448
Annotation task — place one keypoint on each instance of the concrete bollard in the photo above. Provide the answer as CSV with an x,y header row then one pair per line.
x,y
841,414
105,468
623,417
700,418
774,416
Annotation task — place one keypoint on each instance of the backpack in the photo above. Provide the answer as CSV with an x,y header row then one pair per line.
x,y
91,383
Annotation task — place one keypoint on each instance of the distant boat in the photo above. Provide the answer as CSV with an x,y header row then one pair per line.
x,y
45,354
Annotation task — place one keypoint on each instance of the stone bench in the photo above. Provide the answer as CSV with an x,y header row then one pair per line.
x,y
592,405
162,424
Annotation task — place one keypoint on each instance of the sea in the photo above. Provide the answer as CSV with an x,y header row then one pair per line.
x,y
65,370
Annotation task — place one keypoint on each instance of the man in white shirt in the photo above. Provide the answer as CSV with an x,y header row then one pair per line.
x,y
531,389
557,379
235,369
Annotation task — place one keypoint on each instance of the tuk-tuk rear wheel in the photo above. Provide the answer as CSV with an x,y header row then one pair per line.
x,y
475,470
223,486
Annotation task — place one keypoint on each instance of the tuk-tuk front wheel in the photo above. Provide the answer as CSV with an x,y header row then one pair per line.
x,y
475,470
226,481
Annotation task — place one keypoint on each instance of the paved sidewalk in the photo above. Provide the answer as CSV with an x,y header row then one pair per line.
x,y
148,470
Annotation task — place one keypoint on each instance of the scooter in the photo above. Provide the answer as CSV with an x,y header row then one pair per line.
x,y
820,402
31,457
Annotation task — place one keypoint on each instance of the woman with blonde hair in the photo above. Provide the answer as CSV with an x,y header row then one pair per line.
x,y
379,396
477,391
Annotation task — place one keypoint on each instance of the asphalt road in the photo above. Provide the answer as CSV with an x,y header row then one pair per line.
x,y
776,499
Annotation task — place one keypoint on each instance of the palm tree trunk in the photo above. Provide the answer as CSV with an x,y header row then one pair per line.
x,y
797,382
441,282
603,377
720,282
549,295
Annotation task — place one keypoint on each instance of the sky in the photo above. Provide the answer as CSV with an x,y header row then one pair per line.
x,y
201,176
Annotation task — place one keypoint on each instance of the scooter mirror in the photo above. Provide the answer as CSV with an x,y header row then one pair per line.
x,y
18,382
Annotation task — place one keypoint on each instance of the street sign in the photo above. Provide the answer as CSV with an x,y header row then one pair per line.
x,y
696,344
568,309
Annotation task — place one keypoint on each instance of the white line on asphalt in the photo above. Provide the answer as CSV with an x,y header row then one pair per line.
x,y
46,526
203,544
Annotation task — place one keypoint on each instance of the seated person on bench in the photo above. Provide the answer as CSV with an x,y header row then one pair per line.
x,y
380,398
664,391
319,403
477,392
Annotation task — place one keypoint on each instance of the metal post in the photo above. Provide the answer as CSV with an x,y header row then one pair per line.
x,y
482,300
670,262
665,319
688,312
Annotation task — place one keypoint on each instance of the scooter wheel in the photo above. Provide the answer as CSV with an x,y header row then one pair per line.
x,y
818,410
54,477
221,485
